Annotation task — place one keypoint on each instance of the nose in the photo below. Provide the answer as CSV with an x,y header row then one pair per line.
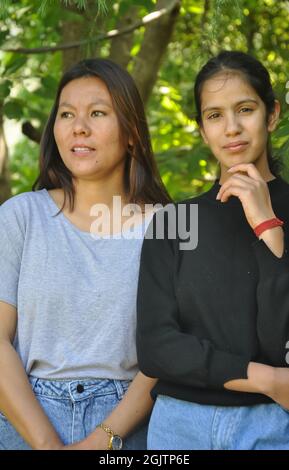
x,y
233,125
81,127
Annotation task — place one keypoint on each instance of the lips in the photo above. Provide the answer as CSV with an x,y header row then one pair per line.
x,y
238,145
82,149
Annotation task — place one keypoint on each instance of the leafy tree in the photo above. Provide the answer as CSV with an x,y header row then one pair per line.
x,y
163,51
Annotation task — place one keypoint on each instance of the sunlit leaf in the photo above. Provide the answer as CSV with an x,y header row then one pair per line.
x,y
13,63
5,86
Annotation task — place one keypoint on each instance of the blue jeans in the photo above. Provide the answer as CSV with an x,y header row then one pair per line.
x,y
181,425
75,408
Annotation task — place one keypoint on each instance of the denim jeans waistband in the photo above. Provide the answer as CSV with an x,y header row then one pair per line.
x,y
78,389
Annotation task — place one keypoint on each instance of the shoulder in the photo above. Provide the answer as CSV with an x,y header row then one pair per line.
x,y
172,212
18,208
22,200
279,192
189,207
202,198
283,187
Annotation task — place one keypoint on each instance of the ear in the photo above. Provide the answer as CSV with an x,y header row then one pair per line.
x,y
130,142
273,117
203,134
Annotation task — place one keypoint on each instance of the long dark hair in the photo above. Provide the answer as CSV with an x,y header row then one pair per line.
x,y
253,72
142,180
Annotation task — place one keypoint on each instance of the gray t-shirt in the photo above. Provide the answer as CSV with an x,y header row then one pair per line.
x,y
75,294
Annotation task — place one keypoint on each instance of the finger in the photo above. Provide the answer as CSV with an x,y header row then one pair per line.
x,y
244,182
233,190
248,168
241,177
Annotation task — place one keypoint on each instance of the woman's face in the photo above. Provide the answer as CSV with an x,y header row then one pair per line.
x,y
234,123
87,131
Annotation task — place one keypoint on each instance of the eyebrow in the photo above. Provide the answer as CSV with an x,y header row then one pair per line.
x,y
249,100
94,103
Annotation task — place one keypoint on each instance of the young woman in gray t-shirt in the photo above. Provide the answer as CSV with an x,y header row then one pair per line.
x,y
68,279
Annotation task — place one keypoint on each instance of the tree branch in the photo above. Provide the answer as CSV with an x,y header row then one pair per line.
x,y
154,16
31,132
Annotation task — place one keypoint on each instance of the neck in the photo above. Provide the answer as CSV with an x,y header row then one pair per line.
x,y
88,193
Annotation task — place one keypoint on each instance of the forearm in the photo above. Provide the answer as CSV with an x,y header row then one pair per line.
x,y
274,239
130,412
19,404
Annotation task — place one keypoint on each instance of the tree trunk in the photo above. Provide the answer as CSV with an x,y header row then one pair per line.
x,y
5,188
81,25
95,24
120,47
72,30
157,36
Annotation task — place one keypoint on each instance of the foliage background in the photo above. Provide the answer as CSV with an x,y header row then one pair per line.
x,y
163,56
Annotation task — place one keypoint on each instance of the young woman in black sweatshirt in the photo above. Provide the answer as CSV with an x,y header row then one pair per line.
x,y
213,321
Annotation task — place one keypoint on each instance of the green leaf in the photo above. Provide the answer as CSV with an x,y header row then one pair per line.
x,y
5,86
81,4
284,148
22,12
282,132
43,7
283,128
4,8
3,35
13,109
13,63
50,83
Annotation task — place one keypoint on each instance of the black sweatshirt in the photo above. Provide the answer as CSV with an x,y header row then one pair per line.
x,y
204,314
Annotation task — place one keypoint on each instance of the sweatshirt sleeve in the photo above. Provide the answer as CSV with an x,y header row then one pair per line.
x,y
164,351
273,302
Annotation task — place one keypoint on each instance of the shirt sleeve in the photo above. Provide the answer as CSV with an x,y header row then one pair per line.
x,y
273,302
11,245
164,351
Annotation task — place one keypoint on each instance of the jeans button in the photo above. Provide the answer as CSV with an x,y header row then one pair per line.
x,y
80,388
